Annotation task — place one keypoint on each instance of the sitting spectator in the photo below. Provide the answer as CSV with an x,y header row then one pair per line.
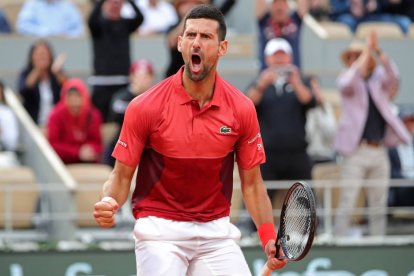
x,y
182,7
111,50
354,12
158,16
74,125
276,21
4,24
402,163
141,75
9,131
399,7
49,18
40,81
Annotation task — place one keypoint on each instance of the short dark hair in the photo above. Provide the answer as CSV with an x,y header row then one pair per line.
x,y
208,12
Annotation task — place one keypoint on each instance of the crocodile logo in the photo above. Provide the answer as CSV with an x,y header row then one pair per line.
x,y
225,130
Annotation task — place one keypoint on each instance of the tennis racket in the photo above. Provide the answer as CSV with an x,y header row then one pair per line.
x,y
297,224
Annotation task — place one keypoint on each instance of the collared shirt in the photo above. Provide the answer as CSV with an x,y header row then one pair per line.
x,y
44,18
186,153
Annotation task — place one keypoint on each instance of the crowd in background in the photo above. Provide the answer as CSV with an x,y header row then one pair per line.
x,y
298,126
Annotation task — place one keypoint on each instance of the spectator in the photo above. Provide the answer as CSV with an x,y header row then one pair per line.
x,y
399,7
44,18
141,75
74,125
182,7
40,81
111,50
320,127
402,163
277,21
281,101
367,126
4,24
354,12
158,16
9,133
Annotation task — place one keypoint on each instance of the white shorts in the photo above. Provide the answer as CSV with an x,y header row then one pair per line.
x,y
176,248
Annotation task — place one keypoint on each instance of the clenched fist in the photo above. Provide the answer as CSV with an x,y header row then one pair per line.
x,y
105,211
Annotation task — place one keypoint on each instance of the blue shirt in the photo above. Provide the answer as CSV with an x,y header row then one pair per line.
x,y
44,18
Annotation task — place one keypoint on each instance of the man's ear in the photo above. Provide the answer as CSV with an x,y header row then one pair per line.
x,y
179,47
223,48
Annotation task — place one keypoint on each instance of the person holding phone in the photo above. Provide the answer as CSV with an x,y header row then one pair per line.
x,y
282,100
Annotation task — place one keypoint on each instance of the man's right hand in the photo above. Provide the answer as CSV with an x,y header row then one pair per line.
x,y
105,211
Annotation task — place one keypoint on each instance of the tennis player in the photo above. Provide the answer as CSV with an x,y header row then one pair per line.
x,y
185,133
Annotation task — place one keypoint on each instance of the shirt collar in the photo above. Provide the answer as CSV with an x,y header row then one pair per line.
x,y
184,97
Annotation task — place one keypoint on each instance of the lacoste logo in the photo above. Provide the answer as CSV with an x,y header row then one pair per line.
x,y
225,130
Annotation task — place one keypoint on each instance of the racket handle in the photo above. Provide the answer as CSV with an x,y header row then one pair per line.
x,y
265,271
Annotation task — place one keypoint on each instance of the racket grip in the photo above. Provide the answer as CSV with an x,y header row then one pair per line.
x,y
265,271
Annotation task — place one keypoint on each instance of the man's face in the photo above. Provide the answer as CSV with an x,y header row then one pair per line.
x,y
112,9
280,10
279,58
200,47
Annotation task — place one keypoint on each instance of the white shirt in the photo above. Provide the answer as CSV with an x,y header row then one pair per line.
x,y
156,19
46,102
406,154
9,129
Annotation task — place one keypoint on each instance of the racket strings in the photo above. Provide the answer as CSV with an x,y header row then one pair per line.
x,y
297,222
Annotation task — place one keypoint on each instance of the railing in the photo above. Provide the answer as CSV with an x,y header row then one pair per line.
x,y
40,215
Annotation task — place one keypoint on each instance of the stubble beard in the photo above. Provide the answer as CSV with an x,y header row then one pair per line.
x,y
198,77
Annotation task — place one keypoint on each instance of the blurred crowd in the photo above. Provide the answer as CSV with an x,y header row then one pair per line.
x,y
371,140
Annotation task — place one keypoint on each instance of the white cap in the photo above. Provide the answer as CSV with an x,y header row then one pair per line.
x,y
277,44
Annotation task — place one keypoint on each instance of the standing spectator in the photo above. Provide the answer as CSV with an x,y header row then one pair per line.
x,y
277,21
74,125
354,12
367,126
111,50
182,7
141,75
40,81
4,24
158,16
50,18
282,101
9,133
320,127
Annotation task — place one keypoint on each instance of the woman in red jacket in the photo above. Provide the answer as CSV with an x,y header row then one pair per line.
x,y
74,125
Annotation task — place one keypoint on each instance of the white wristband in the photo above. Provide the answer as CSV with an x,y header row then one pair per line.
x,y
108,199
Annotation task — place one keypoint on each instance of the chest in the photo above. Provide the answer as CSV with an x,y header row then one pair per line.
x,y
188,131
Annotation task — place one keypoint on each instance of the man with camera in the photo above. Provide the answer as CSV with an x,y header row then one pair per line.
x,y
282,100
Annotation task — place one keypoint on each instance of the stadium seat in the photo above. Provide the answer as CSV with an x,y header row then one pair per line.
x,y
383,30
90,178
18,197
336,30
108,131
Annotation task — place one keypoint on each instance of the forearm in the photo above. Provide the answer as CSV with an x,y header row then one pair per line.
x,y
303,93
118,185
255,93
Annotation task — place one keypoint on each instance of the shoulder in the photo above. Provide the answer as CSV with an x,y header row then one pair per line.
x,y
233,96
154,98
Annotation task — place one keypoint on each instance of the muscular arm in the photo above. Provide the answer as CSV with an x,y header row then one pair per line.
x,y
255,196
119,182
114,194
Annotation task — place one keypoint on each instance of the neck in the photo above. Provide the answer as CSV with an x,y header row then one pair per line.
x,y
201,90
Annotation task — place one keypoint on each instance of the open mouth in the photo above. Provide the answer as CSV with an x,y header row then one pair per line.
x,y
195,62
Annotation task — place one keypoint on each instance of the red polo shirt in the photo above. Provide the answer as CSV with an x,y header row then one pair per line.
x,y
186,154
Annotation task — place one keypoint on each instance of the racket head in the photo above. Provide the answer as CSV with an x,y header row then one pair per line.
x,y
297,222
